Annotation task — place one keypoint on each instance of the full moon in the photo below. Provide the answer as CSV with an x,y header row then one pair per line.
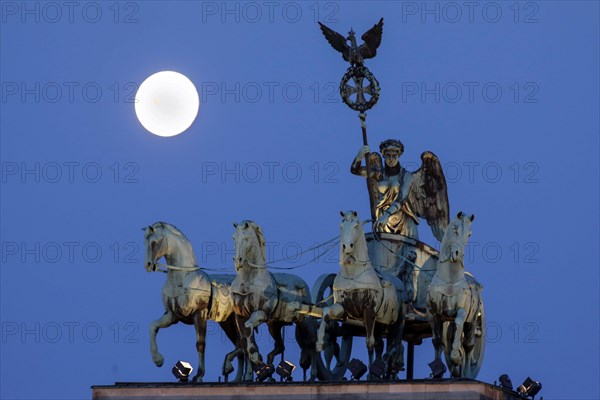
x,y
167,103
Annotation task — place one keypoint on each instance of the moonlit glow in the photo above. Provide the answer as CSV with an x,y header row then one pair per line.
x,y
167,103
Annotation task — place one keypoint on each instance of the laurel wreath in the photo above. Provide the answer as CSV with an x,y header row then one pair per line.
x,y
359,72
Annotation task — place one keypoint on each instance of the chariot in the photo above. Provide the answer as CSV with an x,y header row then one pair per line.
x,y
415,263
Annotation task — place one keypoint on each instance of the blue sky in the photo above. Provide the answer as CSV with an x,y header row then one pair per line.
x,y
505,93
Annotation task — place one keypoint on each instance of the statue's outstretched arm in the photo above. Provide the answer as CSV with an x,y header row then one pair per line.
x,y
356,168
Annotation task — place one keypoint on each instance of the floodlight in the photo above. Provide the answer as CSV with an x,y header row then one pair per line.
x,y
505,382
437,369
182,371
357,368
377,369
285,369
529,388
262,372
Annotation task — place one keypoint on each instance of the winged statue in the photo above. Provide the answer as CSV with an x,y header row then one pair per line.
x,y
351,52
404,197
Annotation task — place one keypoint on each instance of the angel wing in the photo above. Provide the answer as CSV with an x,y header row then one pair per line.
x,y
336,41
428,194
372,39
374,174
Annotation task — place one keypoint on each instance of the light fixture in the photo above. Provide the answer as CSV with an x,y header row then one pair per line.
x,y
377,369
357,368
437,369
505,382
529,388
285,369
262,372
182,371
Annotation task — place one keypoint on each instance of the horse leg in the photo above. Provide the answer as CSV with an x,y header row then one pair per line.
x,y
437,326
305,339
238,353
369,322
395,349
248,343
256,318
379,343
230,330
455,354
468,344
200,318
165,321
279,347
399,362
334,312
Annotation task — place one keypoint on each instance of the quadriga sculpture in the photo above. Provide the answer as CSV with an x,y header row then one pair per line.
x,y
360,293
455,306
189,294
260,296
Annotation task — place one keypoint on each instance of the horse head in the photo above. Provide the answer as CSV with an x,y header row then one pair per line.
x,y
156,245
456,237
249,244
350,233
165,240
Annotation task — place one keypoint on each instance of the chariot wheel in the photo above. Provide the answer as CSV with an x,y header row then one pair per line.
x,y
332,362
479,348
464,370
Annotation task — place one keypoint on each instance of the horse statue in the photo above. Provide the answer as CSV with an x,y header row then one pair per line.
x,y
361,293
189,294
260,296
455,306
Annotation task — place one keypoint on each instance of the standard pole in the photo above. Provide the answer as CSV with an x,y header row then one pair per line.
x,y
370,186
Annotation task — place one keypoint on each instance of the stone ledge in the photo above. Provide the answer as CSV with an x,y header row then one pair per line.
x,y
425,389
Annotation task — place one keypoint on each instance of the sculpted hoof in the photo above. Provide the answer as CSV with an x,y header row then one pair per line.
x,y
158,359
227,368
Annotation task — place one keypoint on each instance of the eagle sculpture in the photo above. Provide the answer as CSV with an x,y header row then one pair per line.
x,y
353,53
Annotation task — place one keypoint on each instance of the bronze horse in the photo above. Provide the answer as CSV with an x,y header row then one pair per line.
x,y
361,293
455,306
189,294
260,296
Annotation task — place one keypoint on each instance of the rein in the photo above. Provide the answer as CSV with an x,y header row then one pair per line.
x,y
166,267
268,265
176,268
399,255
189,269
